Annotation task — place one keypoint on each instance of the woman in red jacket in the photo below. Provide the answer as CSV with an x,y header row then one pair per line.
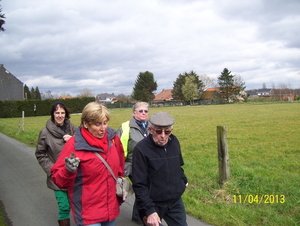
x,y
91,187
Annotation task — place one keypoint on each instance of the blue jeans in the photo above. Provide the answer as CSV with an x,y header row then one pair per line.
x,y
105,223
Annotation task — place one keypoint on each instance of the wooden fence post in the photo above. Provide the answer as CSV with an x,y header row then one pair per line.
x,y
223,156
23,117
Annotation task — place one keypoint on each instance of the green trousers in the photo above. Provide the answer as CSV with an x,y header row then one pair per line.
x,y
63,204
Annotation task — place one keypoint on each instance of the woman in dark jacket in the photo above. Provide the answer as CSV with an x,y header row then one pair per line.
x,y
51,140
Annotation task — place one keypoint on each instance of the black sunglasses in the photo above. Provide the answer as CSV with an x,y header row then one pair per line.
x,y
159,131
141,111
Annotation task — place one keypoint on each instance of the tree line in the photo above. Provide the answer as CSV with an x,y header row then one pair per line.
x,y
189,86
33,94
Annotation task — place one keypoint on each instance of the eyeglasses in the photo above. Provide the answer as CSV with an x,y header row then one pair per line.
x,y
141,111
159,131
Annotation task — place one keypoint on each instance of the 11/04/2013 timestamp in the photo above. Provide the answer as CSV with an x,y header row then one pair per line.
x,y
267,199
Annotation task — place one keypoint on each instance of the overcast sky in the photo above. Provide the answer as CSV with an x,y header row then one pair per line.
x,y
69,45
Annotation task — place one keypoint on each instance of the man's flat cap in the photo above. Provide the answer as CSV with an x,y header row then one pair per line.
x,y
161,119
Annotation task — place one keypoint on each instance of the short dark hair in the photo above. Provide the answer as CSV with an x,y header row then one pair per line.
x,y
57,105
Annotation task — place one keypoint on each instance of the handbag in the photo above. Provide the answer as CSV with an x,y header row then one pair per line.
x,y
123,186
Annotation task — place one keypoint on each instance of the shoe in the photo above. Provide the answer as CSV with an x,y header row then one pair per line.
x,y
65,222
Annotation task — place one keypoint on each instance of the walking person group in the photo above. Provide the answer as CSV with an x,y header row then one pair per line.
x,y
144,150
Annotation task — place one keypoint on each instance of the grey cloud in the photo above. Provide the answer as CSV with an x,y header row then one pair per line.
x,y
68,46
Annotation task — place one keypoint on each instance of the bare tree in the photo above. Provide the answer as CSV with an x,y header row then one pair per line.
x,y
65,94
47,95
207,81
86,93
238,81
123,98
282,85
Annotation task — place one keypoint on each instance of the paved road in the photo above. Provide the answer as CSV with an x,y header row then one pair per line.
x,y
23,190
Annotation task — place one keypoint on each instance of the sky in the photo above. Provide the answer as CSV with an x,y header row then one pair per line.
x,y
67,46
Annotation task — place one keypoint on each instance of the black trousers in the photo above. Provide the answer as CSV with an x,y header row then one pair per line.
x,y
174,213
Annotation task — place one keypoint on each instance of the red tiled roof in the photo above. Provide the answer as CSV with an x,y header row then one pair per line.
x,y
213,89
164,95
207,95
66,97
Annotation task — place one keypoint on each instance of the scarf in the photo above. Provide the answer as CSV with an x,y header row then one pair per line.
x,y
142,125
59,131
100,143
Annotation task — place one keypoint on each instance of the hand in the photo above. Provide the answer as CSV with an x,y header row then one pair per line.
x,y
72,163
152,220
128,169
66,137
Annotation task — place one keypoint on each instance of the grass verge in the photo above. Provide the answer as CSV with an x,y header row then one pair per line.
x,y
4,220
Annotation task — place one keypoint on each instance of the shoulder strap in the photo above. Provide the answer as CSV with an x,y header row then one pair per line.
x,y
125,136
106,164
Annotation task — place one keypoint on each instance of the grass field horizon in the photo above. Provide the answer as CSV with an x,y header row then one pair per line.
x,y
264,147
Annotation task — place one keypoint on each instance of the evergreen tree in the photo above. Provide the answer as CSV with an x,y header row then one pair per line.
x,y
32,93
27,94
144,87
230,85
226,83
37,93
177,87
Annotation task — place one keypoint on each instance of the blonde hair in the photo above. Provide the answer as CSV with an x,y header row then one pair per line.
x,y
139,104
94,112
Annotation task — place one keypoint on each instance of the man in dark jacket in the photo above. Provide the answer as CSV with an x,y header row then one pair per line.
x,y
158,179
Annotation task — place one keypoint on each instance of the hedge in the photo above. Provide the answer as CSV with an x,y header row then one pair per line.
x,y
13,109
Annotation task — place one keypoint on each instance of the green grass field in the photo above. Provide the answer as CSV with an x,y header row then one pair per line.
x,y
264,147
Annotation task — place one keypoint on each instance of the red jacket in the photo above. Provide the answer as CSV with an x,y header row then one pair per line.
x,y
91,188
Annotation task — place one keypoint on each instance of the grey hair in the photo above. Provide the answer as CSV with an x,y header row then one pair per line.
x,y
139,104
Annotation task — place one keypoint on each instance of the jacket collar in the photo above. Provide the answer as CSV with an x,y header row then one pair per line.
x,y
55,130
82,145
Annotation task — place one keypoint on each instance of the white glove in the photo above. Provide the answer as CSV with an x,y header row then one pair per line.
x,y
72,163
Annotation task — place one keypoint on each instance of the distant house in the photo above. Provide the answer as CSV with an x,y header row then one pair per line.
x,y
251,94
275,94
65,97
235,97
106,98
11,88
213,89
282,94
211,95
264,92
207,97
164,95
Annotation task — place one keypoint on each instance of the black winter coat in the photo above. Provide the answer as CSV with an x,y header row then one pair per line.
x,y
157,176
